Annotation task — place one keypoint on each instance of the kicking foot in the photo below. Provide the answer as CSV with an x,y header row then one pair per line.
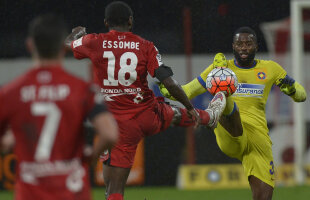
x,y
216,108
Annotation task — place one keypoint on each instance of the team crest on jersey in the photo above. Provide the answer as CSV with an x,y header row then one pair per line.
x,y
261,75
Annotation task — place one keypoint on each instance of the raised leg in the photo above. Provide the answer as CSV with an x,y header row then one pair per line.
x,y
230,119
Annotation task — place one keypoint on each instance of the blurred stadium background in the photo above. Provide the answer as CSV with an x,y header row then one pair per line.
x,y
180,163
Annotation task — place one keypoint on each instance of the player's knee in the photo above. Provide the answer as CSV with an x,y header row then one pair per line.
x,y
231,149
232,152
262,195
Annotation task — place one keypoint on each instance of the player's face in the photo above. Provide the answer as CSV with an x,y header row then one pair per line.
x,y
244,48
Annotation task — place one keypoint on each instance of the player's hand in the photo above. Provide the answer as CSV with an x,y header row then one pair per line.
x,y
193,114
287,89
288,86
79,31
219,61
163,90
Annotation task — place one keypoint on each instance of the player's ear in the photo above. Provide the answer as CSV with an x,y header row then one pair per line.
x,y
130,22
106,23
29,44
256,47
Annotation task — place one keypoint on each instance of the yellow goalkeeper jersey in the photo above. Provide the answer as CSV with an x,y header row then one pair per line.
x,y
254,85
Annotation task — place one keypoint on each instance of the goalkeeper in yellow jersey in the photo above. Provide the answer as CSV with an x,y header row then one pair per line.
x,y
242,132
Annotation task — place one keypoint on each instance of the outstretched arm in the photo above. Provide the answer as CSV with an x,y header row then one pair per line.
x,y
191,89
198,85
164,75
77,32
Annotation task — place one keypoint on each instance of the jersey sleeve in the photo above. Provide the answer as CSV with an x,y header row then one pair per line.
x,y
84,46
154,60
279,73
203,76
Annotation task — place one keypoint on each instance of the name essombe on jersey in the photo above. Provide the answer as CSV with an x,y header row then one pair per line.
x,y
120,44
250,90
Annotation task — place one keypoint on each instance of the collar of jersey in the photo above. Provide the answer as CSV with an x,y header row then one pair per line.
x,y
254,64
49,67
120,32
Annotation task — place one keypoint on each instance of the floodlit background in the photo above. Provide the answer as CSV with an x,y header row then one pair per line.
x,y
188,34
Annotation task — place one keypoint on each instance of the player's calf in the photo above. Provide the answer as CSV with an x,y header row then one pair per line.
x,y
209,117
182,118
260,189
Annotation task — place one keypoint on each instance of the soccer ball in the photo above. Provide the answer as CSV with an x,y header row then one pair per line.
x,y
222,79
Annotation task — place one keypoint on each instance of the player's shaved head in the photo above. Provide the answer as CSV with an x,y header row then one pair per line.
x,y
118,13
48,33
246,29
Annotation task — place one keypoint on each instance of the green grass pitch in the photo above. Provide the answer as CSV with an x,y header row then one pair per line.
x,y
171,193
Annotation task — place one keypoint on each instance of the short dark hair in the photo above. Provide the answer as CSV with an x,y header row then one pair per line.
x,y
246,29
117,13
48,33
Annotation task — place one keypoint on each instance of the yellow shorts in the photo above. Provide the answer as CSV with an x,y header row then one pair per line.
x,y
253,149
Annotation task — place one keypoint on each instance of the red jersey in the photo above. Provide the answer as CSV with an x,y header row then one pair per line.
x,y
122,61
45,108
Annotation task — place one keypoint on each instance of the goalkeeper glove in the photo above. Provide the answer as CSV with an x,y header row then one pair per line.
x,y
287,85
163,90
219,61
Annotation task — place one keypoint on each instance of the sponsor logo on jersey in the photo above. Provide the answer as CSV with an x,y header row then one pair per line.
x,y
109,93
250,90
31,171
261,75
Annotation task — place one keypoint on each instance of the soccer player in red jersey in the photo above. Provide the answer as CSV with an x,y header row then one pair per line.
x,y
45,108
122,61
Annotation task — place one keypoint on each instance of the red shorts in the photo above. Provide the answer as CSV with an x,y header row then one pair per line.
x,y
149,122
